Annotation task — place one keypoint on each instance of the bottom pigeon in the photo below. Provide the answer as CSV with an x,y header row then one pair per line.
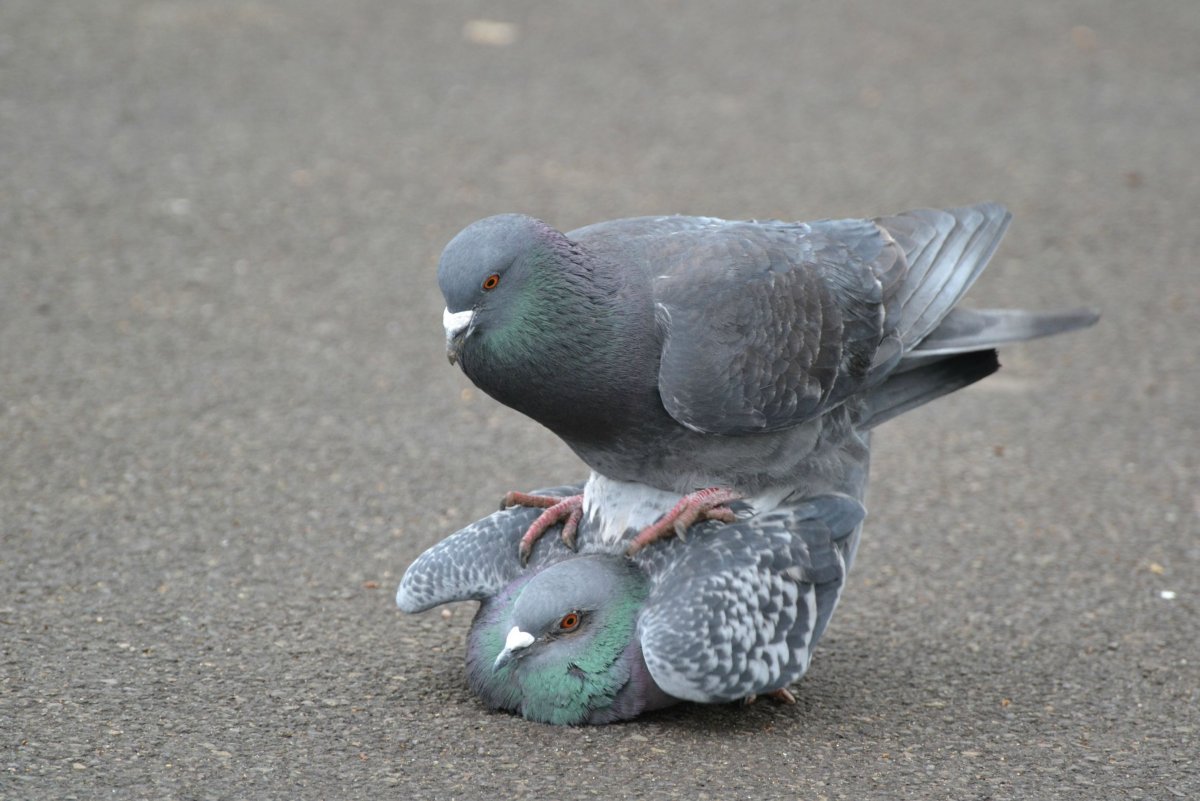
x,y
594,636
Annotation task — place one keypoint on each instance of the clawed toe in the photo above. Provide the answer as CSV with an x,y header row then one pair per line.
x,y
706,504
515,498
568,511
781,696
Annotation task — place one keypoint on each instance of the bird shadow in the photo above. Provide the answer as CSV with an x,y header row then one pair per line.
x,y
829,694
821,702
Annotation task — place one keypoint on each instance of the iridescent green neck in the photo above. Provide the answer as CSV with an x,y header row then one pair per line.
x,y
567,297
566,319
537,319
567,680
568,692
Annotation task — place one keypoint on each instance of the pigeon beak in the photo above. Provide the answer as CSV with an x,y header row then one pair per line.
x,y
516,641
457,325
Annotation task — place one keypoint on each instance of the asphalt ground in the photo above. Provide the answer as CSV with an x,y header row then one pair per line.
x,y
227,424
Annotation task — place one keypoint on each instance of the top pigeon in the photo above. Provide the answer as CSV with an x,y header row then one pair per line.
x,y
693,353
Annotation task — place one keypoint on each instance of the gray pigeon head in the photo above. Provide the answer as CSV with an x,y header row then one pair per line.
x,y
559,646
499,277
524,304
499,246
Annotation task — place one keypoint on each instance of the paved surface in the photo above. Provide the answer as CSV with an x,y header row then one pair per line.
x,y
226,423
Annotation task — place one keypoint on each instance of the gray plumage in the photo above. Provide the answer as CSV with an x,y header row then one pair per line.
x,y
690,352
734,611
677,353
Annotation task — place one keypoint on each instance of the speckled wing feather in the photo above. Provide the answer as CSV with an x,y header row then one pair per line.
x,y
479,560
740,613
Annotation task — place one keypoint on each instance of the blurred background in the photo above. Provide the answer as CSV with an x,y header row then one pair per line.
x,y
227,425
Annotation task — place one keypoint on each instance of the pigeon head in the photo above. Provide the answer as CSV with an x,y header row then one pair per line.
x,y
524,305
498,276
558,646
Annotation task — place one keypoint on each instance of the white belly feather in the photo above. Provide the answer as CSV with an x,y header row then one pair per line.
x,y
614,509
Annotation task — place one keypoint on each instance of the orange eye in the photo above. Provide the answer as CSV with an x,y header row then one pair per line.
x,y
491,281
570,622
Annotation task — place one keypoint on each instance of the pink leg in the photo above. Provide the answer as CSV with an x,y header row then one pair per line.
x,y
705,504
568,511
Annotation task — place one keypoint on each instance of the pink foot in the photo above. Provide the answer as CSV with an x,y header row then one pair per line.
x,y
568,511
783,696
705,504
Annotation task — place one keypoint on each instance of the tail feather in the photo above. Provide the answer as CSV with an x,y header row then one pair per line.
x,y
907,390
933,348
965,330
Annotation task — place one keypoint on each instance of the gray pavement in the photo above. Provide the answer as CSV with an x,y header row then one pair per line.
x,y
227,426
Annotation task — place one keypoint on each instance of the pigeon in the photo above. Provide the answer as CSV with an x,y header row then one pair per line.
x,y
594,636
692,361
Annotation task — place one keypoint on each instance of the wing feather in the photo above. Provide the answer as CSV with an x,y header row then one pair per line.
x,y
479,560
766,325
740,613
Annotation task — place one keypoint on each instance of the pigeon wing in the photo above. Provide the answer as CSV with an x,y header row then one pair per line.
x,y
480,560
766,325
740,612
